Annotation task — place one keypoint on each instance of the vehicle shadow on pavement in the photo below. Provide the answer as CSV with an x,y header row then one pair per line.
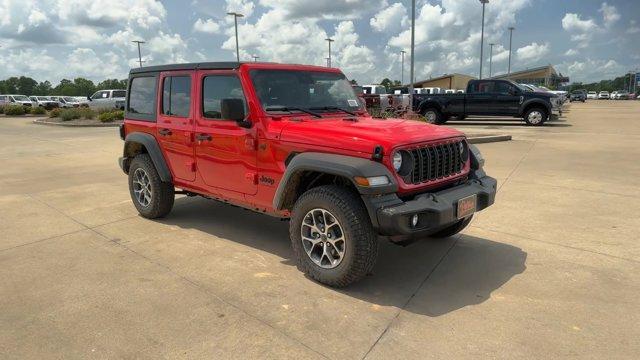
x,y
429,277
492,122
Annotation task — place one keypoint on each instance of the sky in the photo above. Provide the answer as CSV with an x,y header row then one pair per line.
x,y
587,40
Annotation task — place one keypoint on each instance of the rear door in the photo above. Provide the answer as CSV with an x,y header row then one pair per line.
x,y
175,123
225,152
480,98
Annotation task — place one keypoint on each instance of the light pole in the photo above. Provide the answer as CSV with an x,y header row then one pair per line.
x,y
329,40
402,72
511,28
491,60
413,48
255,58
139,53
483,2
235,21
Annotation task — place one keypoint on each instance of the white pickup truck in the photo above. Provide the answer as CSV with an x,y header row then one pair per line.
x,y
108,99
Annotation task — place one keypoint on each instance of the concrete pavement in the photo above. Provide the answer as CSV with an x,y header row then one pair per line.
x,y
549,271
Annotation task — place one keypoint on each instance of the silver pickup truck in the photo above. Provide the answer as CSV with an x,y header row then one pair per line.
x,y
108,99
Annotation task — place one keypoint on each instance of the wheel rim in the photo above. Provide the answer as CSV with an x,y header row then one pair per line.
x,y
535,117
430,116
323,238
142,187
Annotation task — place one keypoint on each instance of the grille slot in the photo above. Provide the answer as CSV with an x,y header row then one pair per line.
x,y
432,163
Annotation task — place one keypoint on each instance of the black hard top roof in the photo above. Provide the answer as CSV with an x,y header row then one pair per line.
x,y
188,66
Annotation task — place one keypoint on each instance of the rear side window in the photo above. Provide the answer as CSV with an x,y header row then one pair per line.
x,y
142,95
176,96
119,93
218,87
482,87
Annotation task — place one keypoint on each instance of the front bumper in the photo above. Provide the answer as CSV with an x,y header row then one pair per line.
x,y
435,210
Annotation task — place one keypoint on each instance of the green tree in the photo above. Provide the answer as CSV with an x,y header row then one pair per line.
x,y
386,83
112,84
26,85
83,87
43,88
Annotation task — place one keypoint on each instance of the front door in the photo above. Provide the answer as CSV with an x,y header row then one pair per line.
x,y
507,100
175,123
225,152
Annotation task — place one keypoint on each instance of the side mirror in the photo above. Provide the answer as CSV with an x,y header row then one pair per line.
x,y
233,109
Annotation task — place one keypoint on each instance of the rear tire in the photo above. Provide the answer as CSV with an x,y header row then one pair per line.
x,y
332,236
433,116
536,116
152,197
453,229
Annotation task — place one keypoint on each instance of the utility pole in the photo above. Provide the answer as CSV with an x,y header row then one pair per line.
x,y
235,21
413,48
255,58
483,2
402,73
511,28
491,60
139,53
329,40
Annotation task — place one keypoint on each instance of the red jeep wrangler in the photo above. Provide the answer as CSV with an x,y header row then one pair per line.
x,y
294,142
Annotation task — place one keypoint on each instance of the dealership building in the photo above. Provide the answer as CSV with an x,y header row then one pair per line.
x,y
543,75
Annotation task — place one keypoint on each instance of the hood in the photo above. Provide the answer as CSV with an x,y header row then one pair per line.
x,y
366,133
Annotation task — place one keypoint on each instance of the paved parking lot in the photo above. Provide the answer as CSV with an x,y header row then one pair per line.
x,y
550,271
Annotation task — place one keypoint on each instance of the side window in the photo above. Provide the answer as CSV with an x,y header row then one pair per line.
x,y
119,93
218,87
176,96
504,88
105,94
482,87
142,95
97,95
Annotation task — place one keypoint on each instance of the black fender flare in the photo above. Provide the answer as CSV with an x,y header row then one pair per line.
x,y
429,103
535,102
153,149
348,167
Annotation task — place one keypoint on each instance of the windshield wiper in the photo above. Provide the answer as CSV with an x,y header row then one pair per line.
x,y
292,108
334,108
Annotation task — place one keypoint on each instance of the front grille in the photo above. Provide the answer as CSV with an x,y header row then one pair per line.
x,y
434,162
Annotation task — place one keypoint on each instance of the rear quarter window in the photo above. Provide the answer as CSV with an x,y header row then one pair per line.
x,y
119,93
141,104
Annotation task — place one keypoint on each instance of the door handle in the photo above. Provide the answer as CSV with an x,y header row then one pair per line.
x,y
202,137
164,132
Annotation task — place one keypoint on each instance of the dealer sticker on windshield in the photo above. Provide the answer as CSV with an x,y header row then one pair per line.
x,y
353,103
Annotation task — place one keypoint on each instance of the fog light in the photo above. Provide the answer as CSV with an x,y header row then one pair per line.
x,y
414,220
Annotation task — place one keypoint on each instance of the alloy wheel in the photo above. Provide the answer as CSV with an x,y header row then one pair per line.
x,y
323,238
535,117
142,187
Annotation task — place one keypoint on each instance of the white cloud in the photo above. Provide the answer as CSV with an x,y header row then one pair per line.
x,y
573,22
590,70
610,14
532,52
324,9
633,28
571,52
206,26
392,18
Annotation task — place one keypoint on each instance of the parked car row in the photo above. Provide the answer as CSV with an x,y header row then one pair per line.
x,y
615,95
107,99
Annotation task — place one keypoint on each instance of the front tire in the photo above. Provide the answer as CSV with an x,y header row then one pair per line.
x,y
152,197
536,116
332,236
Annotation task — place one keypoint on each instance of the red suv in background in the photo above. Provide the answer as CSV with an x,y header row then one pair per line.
x,y
294,142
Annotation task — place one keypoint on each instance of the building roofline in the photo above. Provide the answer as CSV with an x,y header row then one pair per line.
x,y
442,77
515,73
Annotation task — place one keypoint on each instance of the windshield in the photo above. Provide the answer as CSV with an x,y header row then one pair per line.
x,y
316,90
522,87
69,99
43,98
20,98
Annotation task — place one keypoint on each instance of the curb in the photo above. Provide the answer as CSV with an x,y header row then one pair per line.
x,y
52,123
488,139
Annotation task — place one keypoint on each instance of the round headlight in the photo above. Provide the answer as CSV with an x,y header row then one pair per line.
x,y
397,161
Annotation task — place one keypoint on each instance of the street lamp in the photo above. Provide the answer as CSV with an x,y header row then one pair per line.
x,y
139,53
255,58
511,28
402,73
235,21
413,48
491,59
329,40
483,2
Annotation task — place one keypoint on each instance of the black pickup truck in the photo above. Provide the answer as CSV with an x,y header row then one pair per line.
x,y
489,98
